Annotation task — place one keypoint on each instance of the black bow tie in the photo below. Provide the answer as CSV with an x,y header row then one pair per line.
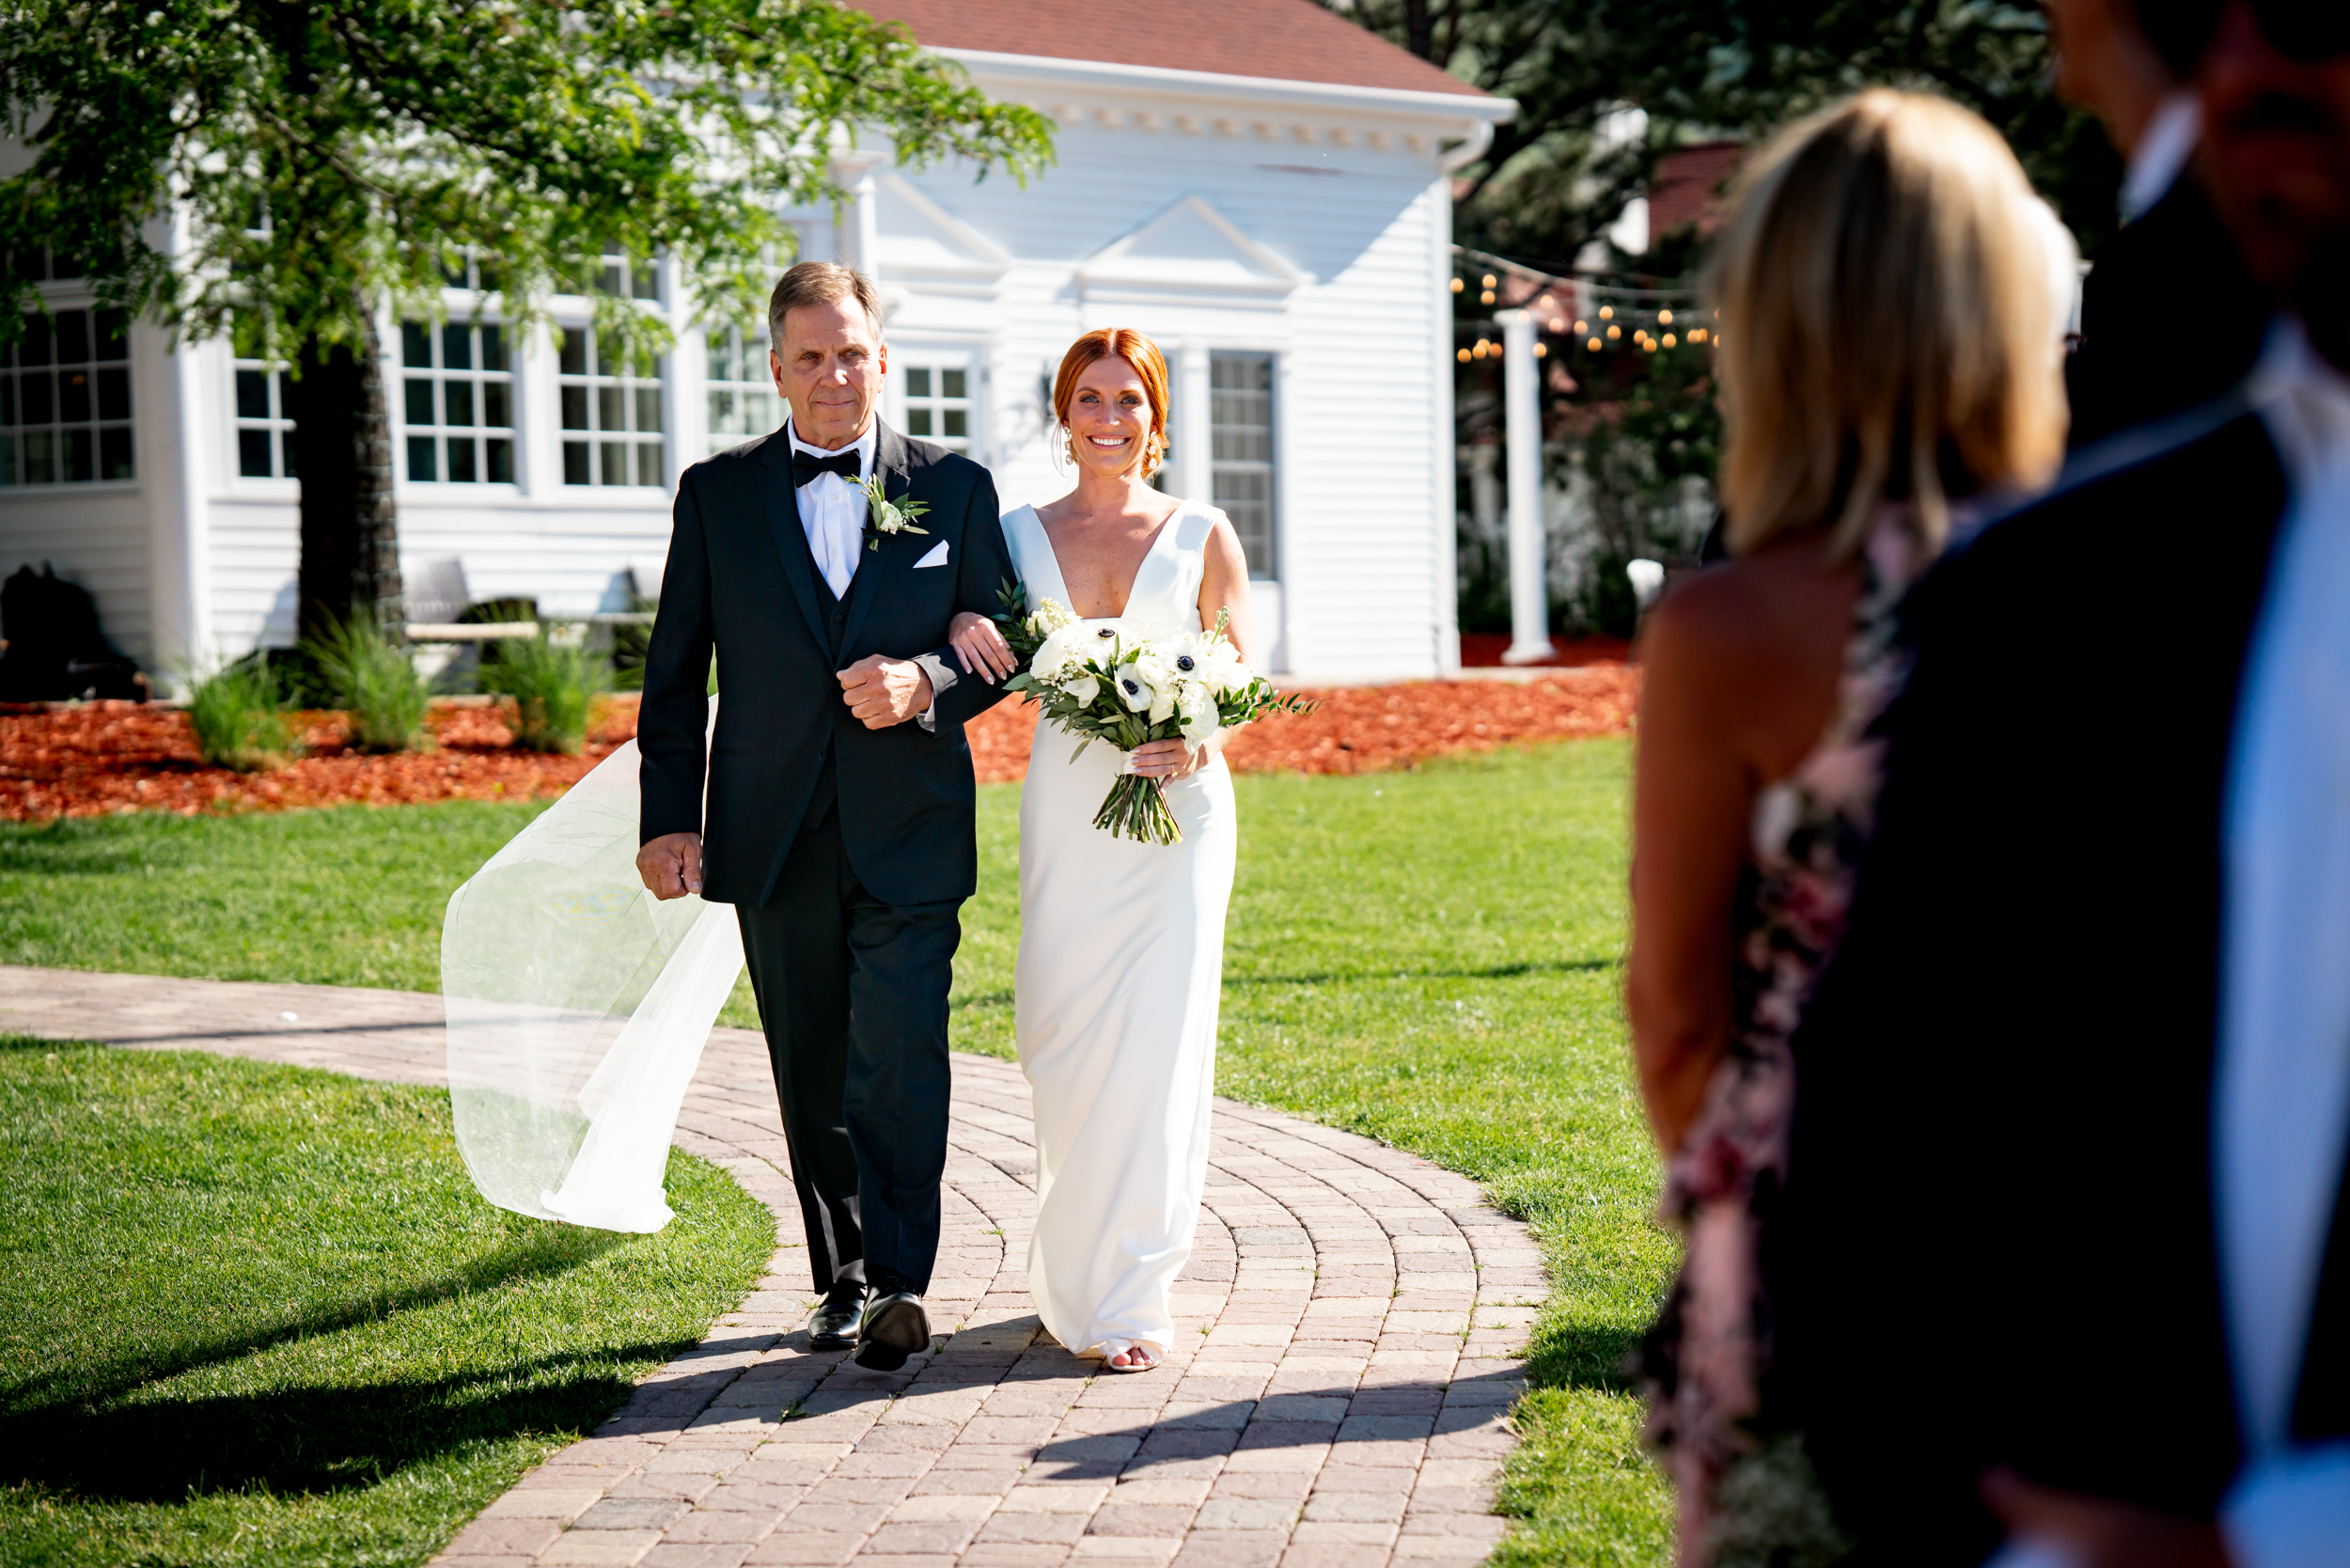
x,y
807,466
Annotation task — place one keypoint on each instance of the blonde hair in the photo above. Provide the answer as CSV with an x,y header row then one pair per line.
x,y
1149,365
1883,300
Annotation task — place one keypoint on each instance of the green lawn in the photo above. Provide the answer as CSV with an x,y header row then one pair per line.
x,y
1431,958
257,1315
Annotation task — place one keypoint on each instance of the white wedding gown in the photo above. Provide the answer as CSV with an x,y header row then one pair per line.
x,y
1121,961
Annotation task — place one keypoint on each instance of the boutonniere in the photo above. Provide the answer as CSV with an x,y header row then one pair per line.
x,y
886,516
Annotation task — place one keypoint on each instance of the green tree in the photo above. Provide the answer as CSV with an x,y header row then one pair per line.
x,y
279,169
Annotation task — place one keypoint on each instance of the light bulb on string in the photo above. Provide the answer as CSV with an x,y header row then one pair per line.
x,y
1458,285
1648,345
1595,345
1463,356
1697,335
1485,298
1542,350
1581,327
1668,340
1607,311
1489,280
1614,333
1665,317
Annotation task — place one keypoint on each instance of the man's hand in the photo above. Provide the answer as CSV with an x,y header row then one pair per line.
x,y
882,692
671,865
2099,1532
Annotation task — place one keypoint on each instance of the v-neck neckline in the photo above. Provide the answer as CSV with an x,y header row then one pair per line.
x,y
1151,554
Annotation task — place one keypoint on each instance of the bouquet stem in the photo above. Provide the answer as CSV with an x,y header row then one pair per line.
x,y
1136,807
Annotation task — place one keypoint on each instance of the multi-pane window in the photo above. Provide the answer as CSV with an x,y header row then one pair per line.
x,y
457,400
612,413
1240,399
938,404
65,400
622,279
264,421
743,400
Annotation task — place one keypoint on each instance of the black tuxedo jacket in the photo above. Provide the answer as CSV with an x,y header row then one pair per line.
x,y
1996,1242
742,579
2170,318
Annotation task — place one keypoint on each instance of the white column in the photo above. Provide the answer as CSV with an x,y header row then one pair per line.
x,y
1529,593
1192,478
859,227
1444,477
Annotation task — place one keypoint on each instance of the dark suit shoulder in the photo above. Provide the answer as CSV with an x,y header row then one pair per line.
x,y
939,465
751,452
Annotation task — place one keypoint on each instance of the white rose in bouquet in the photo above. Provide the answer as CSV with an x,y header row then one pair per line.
x,y
1081,689
1196,704
1062,649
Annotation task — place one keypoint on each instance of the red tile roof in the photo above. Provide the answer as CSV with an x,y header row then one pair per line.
x,y
1688,186
1293,41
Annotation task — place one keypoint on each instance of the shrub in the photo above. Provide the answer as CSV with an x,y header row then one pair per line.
x,y
239,721
374,681
550,688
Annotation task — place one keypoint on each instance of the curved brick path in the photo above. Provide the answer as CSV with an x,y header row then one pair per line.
x,y
1337,1397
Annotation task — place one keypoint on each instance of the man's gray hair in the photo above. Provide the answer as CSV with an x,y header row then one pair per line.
x,y
820,283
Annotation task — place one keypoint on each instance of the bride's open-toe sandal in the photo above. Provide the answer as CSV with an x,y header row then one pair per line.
x,y
1148,1363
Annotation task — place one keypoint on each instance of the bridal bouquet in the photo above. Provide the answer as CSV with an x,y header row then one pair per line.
x,y
1100,684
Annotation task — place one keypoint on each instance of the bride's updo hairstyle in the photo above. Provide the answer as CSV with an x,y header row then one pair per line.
x,y
1135,350
1888,323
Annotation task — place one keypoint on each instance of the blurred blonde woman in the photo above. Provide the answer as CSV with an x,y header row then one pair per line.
x,y
1890,371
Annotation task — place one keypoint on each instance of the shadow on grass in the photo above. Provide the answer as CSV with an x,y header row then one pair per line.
x,y
547,1250
1583,1356
1495,971
307,1439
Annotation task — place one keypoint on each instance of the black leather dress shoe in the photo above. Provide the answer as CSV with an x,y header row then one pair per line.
x,y
894,1327
833,1324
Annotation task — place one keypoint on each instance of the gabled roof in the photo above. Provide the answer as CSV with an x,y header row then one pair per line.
x,y
1290,41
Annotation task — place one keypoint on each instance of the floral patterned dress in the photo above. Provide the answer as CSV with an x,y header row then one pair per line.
x,y
1747,1495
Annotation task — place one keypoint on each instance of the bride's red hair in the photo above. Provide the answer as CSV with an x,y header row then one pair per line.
x,y
1135,350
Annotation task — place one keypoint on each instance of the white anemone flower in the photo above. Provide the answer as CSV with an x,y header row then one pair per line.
x,y
1133,691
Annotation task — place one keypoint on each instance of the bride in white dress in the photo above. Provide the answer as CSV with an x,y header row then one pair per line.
x,y
1121,945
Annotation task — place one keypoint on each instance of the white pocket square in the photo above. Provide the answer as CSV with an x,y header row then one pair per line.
x,y
936,557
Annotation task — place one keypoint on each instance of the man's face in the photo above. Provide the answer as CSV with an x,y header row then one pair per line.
x,y
829,367
2278,138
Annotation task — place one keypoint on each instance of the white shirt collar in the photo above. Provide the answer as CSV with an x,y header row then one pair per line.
x,y
863,446
2304,400
2161,153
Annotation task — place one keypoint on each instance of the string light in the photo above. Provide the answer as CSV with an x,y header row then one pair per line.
x,y
1486,298
1458,286
1697,335
1614,333
1482,349
1665,317
1557,324
1581,327
1595,345
1605,311
1648,345
1489,280
1668,340
1463,356
1542,350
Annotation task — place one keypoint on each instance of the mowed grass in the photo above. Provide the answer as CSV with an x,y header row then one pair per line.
x,y
1431,958
257,1315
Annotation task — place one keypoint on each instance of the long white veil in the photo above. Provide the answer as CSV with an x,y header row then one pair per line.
x,y
578,1005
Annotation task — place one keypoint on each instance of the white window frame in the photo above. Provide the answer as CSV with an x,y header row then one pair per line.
x,y
907,408
1221,467
440,375
14,433
580,348
742,350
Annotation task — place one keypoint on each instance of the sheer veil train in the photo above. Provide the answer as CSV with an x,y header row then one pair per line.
x,y
578,1006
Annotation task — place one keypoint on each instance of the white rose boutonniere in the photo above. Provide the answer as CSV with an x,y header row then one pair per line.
x,y
886,516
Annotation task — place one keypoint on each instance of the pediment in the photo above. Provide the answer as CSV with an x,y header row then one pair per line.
x,y
918,238
1188,250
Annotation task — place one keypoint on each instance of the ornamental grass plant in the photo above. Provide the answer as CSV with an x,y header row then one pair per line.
x,y
373,680
239,714
549,689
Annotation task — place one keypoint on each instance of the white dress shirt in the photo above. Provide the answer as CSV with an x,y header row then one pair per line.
x,y
2281,1090
833,511
2161,153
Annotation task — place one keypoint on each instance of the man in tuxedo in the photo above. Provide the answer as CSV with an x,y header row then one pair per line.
x,y
2063,1265
839,794
2170,318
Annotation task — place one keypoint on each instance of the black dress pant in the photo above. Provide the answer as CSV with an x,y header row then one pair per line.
x,y
853,995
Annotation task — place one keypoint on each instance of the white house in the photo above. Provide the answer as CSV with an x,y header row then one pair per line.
x,y
1261,186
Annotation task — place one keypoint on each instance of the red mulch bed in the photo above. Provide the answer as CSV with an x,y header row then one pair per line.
x,y
101,758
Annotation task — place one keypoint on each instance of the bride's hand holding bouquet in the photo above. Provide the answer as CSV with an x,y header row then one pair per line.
x,y
1163,701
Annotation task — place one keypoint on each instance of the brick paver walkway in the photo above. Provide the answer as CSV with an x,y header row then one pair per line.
x,y
1337,1395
